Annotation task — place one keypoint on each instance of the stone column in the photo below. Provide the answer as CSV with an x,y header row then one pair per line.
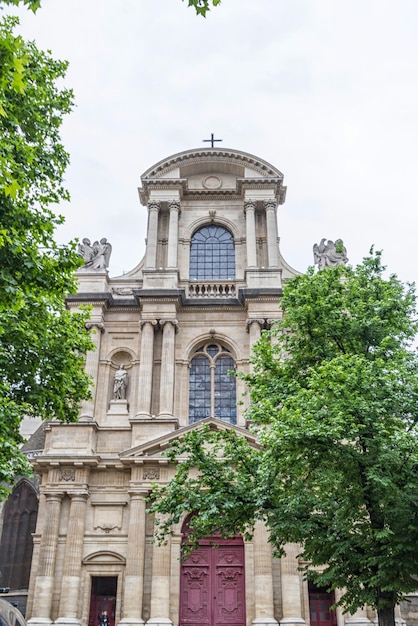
x,y
249,210
160,586
69,607
134,573
44,583
173,233
263,578
92,369
291,587
146,365
254,326
167,367
152,235
271,223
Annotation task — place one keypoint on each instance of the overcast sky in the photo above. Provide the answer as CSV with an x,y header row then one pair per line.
x,y
326,91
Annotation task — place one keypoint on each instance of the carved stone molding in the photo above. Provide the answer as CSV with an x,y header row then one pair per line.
x,y
212,215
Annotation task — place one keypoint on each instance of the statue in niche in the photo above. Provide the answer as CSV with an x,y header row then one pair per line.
x,y
120,383
329,254
96,256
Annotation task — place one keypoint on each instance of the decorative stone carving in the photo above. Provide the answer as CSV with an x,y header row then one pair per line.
x,y
96,256
212,182
151,473
67,474
329,254
120,383
122,291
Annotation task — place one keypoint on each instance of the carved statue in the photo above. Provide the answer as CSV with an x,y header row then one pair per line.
x,y
120,383
329,254
95,256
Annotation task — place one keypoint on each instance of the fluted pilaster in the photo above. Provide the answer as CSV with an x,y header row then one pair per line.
x,y
160,586
92,369
69,608
44,583
146,367
152,234
263,578
291,587
167,367
134,575
254,327
271,222
173,233
249,209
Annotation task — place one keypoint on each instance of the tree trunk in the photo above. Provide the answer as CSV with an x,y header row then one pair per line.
x,y
386,615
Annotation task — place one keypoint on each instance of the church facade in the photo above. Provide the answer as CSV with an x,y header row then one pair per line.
x,y
167,335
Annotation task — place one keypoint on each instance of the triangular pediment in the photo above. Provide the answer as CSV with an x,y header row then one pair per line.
x,y
155,449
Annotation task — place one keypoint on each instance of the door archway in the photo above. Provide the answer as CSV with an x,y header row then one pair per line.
x,y
212,583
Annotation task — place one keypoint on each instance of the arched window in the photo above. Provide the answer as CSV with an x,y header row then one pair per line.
x,y
212,389
20,513
212,254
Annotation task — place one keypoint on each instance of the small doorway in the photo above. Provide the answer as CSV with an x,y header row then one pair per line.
x,y
103,600
320,602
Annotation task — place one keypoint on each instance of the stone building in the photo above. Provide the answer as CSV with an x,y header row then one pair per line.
x,y
166,335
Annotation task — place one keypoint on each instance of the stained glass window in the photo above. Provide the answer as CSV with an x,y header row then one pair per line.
x,y
212,389
212,254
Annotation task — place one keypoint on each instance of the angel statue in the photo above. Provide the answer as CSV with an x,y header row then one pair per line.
x,y
329,254
96,256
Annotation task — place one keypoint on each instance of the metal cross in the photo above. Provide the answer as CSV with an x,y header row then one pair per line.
x,y
212,140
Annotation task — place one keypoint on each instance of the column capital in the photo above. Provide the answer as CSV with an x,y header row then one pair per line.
x,y
142,323
54,496
138,493
250,205
154,205
270,204
254,320
174,322
81,494
174,205
99,325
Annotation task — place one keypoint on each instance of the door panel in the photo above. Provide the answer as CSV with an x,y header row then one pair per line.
x,y
212,587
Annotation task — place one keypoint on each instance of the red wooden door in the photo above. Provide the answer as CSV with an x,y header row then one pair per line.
x,y
319,607
212,585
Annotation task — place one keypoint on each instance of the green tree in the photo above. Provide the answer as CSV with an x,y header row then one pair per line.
x,y
334,406
203,6
42,345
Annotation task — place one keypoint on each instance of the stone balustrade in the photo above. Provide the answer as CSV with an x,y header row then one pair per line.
x,y
213,289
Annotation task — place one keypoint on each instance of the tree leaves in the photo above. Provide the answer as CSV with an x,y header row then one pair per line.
x,y
334,403
42,345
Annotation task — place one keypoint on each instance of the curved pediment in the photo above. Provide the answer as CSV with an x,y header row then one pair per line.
x,y
208,172
211,160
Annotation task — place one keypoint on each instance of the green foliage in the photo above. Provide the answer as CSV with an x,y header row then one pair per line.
x,y
33,5
334,404
42,345
202,6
